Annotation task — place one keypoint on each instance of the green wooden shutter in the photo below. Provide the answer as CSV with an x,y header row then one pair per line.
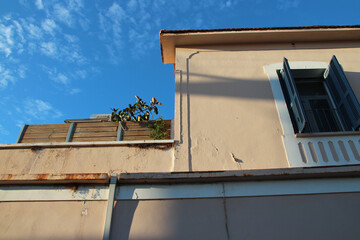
x,y
345,100
294,97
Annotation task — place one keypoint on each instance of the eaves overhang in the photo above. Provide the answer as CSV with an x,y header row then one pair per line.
x,y
170,39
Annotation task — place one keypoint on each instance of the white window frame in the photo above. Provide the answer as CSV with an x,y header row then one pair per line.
x,y
302,150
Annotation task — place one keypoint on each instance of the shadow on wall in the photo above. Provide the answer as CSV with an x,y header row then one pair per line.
x,y
354,80
169,219
226,87
219,86
215,86
241,88
123,215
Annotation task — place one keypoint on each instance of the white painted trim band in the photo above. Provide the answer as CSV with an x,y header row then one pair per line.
x,y
52,193
181,191
239,189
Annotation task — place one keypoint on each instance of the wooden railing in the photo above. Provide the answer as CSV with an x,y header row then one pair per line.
x,y
87,132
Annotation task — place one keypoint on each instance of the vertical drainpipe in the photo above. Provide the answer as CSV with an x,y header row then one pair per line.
x,y
119,132
70,132
110,207
22,132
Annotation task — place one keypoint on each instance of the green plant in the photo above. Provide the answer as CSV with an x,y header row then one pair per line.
x,y
140,111
159,130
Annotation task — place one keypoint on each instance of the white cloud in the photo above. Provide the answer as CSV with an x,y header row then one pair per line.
x,y
81,74
84,23
34,31
56,76
39,109
6,41
71,38
39,4
61,78
76,5
3,131
49,26
63,14
19,30
74,91
20,123
116,12
21,71
226,4
132,5
49,48
5,77
286,4
72,54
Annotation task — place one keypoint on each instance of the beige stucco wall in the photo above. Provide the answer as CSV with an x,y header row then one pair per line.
x,y
52,220
62,160
225,114
323,216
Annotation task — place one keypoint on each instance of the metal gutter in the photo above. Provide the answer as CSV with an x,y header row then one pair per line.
x,y
243,175
110,207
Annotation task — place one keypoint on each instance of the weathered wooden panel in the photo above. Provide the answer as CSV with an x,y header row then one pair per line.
x,y
51,128
97,124
45,135
42,140
93,139
94,134
89,132
95,129
131,138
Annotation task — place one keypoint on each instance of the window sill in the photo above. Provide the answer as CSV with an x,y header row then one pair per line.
x,y
88,144
327,134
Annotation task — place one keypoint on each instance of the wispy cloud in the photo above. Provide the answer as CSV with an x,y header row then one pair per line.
x,y
49,48
63,14
61,78
116,14
5,77
49,26
74,91
57,76
132,5
6,41
39,109
21,71
3,131
39,4
286,4
34,31
71,38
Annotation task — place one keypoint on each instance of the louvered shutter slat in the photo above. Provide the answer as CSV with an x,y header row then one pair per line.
x,y
343,96
295,102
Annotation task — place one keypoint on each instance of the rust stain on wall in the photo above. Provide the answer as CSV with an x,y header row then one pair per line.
x,y
42,176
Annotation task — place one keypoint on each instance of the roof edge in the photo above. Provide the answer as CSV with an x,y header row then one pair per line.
x,y
170,39
163,31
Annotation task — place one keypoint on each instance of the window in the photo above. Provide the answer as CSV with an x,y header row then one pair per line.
x,y
319,100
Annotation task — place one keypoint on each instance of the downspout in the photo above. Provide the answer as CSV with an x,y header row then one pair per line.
x,y
110,207
188,108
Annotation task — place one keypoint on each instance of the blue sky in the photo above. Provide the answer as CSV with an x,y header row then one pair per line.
x,y
70,59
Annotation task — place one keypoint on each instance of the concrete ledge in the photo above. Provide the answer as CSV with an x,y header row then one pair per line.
x,y
85,178
162,143
244,175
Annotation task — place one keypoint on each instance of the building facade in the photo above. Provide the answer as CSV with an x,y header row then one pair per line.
x,y
265,145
